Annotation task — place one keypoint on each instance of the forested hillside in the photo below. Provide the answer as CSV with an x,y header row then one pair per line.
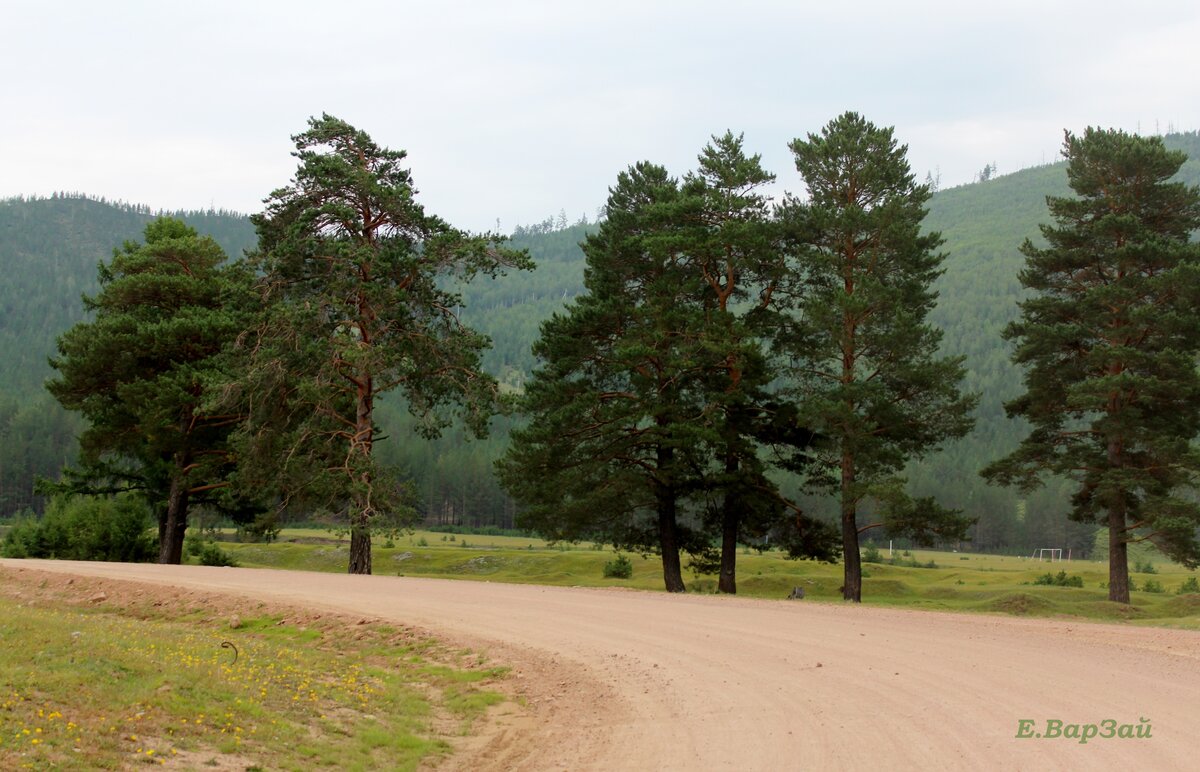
x,y
49,249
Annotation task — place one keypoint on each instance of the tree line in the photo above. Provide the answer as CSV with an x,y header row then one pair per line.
x,y
725,354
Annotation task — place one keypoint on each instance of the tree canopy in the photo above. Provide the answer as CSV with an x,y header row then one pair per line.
x,y
1109,341
137,372
354,276
864,361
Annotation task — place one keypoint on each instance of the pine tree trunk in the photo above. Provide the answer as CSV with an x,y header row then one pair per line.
x,y
1118,557
727,582
668,537
730,526
852,587
669,545
1118,547
361,445
360,547
173,525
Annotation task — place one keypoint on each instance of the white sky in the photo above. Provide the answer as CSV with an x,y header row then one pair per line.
x,y
516,108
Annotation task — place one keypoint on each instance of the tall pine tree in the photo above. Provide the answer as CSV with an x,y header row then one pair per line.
x,y
869,380
1109,341
354,276
729,239
616,413
138,371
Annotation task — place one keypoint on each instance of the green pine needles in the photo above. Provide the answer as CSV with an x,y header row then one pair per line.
x,y
354,306
1109,341
721,338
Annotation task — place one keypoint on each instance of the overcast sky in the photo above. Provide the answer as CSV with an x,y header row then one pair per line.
x,y
514,110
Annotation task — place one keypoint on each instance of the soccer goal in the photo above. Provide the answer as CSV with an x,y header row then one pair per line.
x,y
1052,554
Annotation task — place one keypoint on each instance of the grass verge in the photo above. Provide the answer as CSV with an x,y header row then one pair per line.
x,y
150,677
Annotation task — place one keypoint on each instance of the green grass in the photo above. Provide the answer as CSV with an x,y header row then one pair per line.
x,y
960,582
103,687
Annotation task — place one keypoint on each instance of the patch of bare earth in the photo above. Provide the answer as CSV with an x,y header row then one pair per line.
x,y
624,680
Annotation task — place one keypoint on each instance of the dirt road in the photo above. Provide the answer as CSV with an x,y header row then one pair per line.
x,y
644,681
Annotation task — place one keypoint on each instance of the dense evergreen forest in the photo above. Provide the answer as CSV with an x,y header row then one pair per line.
x,y
49,248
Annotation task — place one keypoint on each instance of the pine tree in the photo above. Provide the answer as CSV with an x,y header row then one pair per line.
x,y
356,305
138,371
615,413
730,240
869,381
1109,341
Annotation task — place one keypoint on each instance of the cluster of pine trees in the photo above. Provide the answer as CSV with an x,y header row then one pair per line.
x,y
727,367
718,338
249,387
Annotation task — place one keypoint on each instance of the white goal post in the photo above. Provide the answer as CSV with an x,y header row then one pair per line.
x,y
1056,555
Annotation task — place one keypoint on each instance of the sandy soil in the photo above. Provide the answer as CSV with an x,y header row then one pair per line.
x,y
643,681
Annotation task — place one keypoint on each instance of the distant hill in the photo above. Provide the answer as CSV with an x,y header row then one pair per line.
x,y
49,249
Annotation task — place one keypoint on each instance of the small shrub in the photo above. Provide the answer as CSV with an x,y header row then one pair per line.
x,y
192,546
422,542
619,567
871,555
389,544
463,543
1189,586
1059,580
212,555
1152,585
1144,567
451,537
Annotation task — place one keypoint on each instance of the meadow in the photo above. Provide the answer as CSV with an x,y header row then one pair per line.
x,y
937,580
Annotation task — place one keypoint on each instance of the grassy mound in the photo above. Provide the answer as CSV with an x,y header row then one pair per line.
x,y
1020,603
1181,606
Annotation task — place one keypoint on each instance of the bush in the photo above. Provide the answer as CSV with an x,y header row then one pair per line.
x,y
1060,580
871,555
212,555
1144,567
86,528
1152,585
1189,586
206,552
619,567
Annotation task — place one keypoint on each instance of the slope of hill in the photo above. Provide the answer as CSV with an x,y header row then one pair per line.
x,y
49,248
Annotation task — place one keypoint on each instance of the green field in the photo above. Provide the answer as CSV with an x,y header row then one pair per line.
x,y
958,582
